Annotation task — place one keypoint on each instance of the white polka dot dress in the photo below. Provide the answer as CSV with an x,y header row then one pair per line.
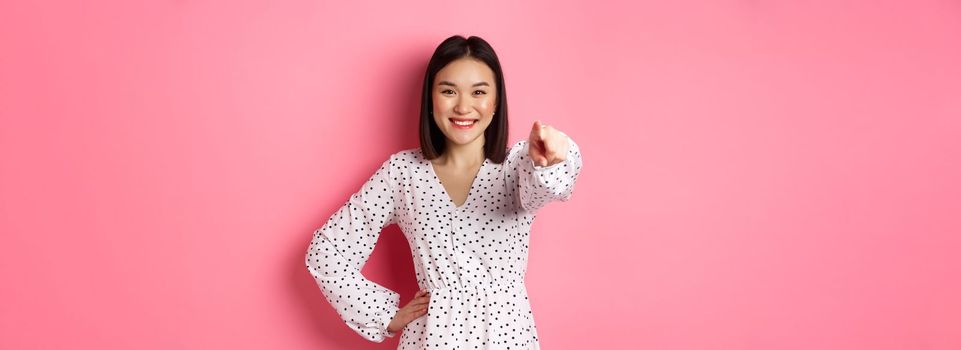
x,y
472,258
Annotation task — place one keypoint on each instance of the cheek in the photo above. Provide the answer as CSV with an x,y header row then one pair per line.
x,y
438,101
487,104
486,107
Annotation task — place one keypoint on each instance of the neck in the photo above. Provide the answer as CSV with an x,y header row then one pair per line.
x,y
468,155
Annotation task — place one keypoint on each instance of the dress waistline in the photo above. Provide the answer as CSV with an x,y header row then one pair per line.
x,y
488,286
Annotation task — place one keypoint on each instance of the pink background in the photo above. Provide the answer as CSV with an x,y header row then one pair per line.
x,y
758,174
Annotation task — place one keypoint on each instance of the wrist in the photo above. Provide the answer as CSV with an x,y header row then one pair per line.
x,y
391,326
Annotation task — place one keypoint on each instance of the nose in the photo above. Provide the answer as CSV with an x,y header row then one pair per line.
x,y
463,106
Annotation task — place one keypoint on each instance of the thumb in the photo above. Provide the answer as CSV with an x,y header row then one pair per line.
x,y
540,159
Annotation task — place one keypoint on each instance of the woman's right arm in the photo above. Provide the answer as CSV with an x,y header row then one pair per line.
x,y
339,250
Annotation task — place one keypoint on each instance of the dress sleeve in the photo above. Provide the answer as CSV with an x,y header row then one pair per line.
x,y
539,185
339,249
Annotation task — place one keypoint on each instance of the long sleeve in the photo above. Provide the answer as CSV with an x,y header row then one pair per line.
x,y
339,250
539,185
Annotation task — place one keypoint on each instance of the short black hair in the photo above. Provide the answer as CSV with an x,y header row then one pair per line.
x,y
432,140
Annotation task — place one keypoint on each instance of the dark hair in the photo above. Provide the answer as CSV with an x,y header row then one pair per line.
x,y
432,140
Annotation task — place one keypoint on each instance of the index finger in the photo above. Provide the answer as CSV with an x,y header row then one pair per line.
x,y
537,131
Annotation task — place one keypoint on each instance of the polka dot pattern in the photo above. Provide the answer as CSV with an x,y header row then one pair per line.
x,y
473,257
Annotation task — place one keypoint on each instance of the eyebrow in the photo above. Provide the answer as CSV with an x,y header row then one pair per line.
x,y
445,82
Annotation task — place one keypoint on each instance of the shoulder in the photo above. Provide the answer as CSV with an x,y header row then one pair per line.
x,y
518,149
406,157
515,156
402,163
396,169
516,153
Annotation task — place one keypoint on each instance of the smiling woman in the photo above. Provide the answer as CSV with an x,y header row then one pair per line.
x,y
465,202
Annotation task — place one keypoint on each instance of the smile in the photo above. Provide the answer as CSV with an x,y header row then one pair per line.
x,y
461,123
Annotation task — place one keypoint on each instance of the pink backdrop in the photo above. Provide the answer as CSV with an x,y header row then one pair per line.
x,y
758,174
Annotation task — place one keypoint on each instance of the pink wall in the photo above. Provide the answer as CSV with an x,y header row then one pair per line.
x,y
758,174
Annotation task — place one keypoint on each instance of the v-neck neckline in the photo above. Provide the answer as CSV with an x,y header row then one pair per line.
x,y
470,191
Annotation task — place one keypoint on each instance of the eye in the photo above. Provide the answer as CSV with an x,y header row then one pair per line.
x,y
482,92
445,91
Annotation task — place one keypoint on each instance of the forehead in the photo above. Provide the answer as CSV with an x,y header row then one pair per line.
x,y
465,71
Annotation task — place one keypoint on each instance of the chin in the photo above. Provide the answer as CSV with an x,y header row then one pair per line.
x,y
461,141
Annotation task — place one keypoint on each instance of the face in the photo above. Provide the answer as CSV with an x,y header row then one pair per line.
x,y
464,100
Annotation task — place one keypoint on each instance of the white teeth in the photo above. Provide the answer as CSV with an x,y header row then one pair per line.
x,y
464,123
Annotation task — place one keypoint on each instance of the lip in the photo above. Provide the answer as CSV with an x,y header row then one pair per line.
x,y
452,120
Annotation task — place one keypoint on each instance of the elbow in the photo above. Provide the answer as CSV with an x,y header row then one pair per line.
x,y
311,262
309,266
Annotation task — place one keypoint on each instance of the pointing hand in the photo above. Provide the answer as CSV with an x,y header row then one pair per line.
x,y
547,145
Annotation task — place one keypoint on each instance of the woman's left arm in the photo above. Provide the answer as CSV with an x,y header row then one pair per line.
x,y
552,168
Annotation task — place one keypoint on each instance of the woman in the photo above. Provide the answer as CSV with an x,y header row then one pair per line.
x,y
465,204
